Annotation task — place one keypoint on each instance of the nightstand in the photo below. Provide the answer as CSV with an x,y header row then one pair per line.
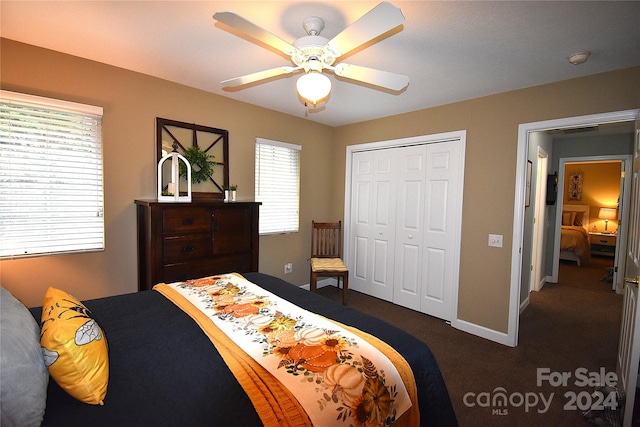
x,y
603,244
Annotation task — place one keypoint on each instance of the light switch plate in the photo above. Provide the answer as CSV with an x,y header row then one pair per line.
x,y
495,240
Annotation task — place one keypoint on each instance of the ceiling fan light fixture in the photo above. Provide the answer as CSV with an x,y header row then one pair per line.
x,y
314,53
313,86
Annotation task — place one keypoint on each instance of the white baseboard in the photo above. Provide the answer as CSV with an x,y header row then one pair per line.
x,y
482,332
542,283
329,281
524,304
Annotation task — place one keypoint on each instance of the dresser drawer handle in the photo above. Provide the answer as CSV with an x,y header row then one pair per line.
x,y
187,248
187,221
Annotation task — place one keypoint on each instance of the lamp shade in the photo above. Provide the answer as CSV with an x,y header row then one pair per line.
x,y
313,86
607,213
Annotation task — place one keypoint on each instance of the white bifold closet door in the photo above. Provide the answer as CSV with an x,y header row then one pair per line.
x,y
405,225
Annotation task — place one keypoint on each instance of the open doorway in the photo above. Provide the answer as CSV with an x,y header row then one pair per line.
x,y
592,200
518,291
603,153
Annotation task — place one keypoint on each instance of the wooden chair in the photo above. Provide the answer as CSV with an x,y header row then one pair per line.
x,y
326,255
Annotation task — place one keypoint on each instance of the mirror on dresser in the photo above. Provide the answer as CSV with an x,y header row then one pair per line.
x,y
212,142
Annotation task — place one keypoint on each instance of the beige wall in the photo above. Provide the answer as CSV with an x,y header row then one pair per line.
x,y
132,101
489,183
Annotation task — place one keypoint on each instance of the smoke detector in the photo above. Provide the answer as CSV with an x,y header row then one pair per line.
x,y
579,58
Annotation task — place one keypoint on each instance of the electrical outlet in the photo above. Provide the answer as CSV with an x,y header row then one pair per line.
x,y
495,240
288,268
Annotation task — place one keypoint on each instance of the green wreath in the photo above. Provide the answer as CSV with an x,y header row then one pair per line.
x,y
201,164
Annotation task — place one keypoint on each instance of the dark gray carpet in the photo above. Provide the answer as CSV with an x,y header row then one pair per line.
x,y
569,325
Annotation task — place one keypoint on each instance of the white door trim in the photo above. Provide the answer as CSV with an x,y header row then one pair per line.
x,y
524,130
460,136
537,278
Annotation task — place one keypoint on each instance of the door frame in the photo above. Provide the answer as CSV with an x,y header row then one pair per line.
x,y
524,130
461,137
623,213
538,276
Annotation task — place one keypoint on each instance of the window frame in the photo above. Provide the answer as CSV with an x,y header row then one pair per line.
x,y
269,197
73,131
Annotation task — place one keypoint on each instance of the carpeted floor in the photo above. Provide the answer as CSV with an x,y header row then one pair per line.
x,y
567,326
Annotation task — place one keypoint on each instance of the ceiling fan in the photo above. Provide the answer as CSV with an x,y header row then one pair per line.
x,y
314,53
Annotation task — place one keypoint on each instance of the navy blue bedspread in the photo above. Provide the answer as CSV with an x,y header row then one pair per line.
x,y
164,371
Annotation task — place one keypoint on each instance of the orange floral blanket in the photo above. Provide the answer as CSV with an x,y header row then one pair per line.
x,y
298,368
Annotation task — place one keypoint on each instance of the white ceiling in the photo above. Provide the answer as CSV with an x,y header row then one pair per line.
x,y
451,50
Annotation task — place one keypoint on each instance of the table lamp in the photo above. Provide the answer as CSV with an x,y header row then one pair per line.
x,y
607,214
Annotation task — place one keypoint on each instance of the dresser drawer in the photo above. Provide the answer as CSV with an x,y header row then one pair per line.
x,y
604,240
185,248
186,220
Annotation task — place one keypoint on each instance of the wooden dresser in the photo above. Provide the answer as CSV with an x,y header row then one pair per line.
x,y
179,241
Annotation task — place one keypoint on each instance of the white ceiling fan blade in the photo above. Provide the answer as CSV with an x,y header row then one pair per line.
x,y
261,75
239,23
372,76
377,21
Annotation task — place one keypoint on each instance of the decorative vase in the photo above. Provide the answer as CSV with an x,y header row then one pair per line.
x,y
233,195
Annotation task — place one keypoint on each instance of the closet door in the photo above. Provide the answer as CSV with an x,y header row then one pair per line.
x,y
442,229
410,207
405,225
373,199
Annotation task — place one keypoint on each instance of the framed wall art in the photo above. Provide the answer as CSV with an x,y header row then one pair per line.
x,y
574,192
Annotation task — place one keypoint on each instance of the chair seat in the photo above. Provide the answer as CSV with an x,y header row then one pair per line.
x,y
327,264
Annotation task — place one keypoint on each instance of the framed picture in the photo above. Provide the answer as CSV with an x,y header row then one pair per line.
x,y
527,189
575,186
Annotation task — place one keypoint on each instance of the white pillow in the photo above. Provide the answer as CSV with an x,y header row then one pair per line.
x,y
23,375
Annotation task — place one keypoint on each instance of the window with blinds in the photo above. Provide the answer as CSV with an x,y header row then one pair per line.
x,y
278,186
51,195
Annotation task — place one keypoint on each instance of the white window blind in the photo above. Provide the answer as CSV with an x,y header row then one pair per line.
x,y
278,185
51,195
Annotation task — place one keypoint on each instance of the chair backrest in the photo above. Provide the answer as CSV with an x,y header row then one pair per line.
x,y
326,239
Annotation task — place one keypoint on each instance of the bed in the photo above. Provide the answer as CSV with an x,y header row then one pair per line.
x,y
165,372
574,234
